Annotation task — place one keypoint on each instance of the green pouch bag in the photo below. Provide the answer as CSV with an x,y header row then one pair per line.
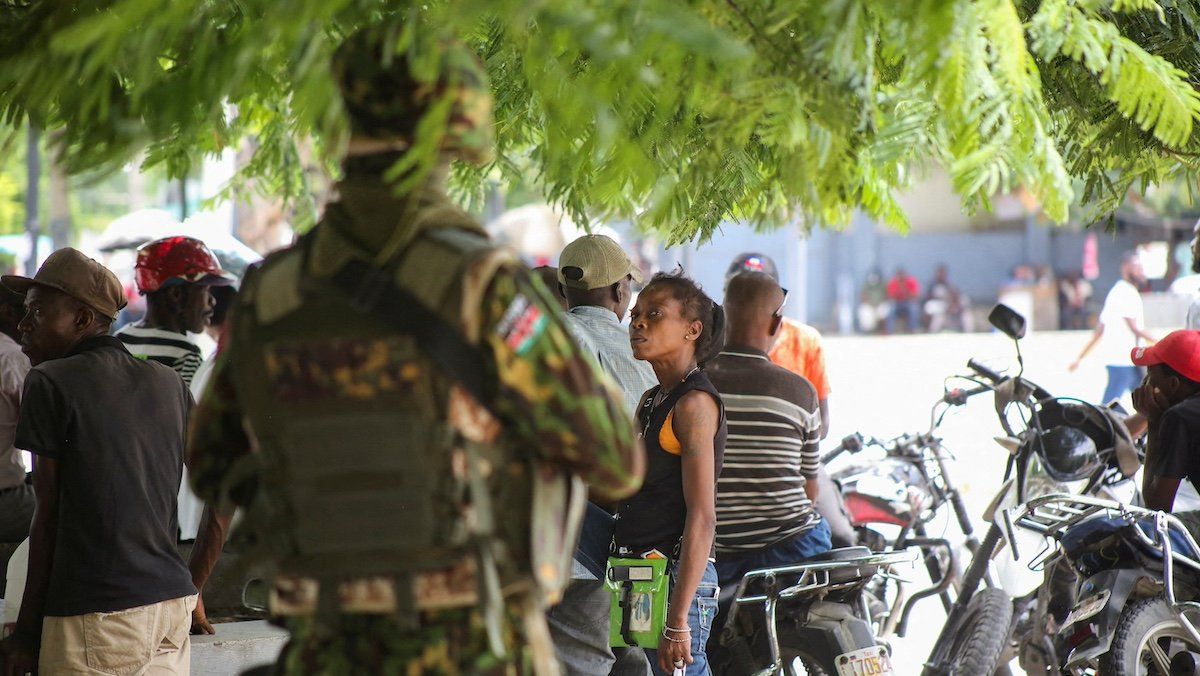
x,y
641,591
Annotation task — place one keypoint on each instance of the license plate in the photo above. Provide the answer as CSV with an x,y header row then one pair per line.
x,y
1087,608
873,661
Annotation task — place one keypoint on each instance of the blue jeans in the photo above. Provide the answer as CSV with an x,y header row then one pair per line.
x,y
731,569
908,311
1121,379
701,614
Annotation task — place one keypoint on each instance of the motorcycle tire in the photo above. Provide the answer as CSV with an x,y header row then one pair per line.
x,y
810,666
983,634
1141,623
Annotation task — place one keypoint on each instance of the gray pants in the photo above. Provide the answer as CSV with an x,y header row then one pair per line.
x,y
16,512
579,629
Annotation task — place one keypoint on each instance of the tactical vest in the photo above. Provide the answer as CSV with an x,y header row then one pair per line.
x,y
369,464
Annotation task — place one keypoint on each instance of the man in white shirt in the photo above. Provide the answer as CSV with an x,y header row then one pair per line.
x,y
16,495
1193,315
1119,330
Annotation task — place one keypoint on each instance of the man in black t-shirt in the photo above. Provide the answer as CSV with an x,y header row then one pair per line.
x,y
1170,400
107,591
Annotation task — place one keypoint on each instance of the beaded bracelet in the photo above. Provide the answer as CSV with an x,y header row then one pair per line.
x,y
676,640
685,630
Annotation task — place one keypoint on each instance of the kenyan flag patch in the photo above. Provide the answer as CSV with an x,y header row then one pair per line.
x,y
521,325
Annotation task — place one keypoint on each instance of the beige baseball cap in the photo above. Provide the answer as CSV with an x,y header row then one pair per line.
x,y
82,278
594,262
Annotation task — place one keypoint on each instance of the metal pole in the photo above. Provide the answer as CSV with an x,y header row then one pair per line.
x,y
33,173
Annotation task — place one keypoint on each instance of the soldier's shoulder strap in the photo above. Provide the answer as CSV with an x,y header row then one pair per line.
x,y
449,270
271,289
412,293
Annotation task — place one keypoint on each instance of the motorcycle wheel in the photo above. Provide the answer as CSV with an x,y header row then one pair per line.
x,y
983,634
808,666
1148,635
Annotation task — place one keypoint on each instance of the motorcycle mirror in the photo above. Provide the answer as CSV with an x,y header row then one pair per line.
x,y
1008,321
1010,444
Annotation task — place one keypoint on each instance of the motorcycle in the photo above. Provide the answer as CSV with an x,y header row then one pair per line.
x,y
1054,444
903,492
811,616
1134,566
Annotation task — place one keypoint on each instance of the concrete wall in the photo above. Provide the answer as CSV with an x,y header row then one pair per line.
x,y
979,262
707,263
825,270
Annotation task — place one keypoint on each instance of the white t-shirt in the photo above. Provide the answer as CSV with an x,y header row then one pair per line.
x,y
1123,302
14,365
1193,316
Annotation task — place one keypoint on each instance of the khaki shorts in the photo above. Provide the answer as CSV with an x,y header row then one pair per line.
x,y
149,640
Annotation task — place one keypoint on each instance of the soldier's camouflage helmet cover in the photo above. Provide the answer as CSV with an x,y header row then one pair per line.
x,y
385,100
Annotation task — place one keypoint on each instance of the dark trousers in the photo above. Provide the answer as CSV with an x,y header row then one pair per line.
x,y
16,512
908,311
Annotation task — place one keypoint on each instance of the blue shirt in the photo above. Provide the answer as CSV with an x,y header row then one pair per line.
x,y
601,335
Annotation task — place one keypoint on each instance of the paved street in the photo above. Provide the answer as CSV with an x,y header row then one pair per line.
x,y
884,386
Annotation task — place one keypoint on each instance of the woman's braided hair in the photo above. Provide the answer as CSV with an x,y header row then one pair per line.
x,y
695,306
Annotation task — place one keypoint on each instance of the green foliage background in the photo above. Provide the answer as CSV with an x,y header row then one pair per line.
x,y
97,196
678,113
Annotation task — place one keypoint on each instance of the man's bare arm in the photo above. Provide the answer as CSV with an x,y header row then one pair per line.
x,y
1139,331
1099,331
210,540
823,405
1159,492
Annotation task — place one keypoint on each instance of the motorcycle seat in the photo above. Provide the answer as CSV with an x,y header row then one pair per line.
x,y
839,554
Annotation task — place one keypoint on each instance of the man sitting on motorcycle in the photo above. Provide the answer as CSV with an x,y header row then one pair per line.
x,y
765,495
1170,403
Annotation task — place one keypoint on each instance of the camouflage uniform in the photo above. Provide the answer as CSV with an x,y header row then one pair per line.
x,y
552,410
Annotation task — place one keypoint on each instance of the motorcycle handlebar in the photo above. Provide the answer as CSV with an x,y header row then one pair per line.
x,y
958,397
984,371
851,444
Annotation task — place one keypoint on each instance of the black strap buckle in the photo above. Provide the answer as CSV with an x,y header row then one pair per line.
x,y
370,283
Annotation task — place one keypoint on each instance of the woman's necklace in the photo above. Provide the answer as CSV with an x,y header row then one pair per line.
x,y
662,394
653,402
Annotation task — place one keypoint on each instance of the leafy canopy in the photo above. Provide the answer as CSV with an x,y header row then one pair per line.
x,y
680,114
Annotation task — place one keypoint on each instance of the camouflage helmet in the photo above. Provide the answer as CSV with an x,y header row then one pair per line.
x,y
385,100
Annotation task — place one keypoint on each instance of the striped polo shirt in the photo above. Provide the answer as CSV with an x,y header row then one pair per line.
x,y
176,350
770,454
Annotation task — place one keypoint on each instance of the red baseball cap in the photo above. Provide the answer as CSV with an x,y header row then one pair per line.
x,y
1179,349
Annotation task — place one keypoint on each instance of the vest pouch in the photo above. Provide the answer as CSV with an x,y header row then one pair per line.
x,y
364,489
640,591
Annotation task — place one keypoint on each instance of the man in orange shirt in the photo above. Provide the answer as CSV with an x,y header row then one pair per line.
x,y
798,349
